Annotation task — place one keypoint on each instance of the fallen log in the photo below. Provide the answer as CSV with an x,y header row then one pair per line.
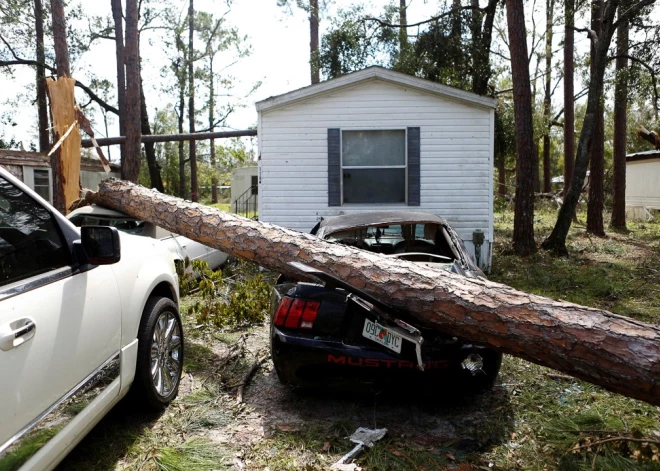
x,y
615,352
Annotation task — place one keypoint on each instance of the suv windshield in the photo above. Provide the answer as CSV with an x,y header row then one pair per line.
x,y
129,225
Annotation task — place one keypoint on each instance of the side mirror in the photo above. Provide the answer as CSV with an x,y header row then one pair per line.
x,y
101,244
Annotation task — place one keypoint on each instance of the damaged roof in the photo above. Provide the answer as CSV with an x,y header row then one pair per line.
x,y
353,221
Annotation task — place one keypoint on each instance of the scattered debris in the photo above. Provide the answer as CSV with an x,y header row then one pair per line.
x,y
248,377
364,437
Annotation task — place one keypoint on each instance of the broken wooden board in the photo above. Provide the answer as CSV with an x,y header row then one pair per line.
x,y
615,352
65,163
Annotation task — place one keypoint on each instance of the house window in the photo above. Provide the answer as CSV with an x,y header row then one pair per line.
x,y
42,183
255,185
373,166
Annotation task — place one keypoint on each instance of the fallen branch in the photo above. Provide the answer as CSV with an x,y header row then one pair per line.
x,y
248,377
616,352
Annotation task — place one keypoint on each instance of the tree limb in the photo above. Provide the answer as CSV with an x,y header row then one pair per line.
x,y
430,20
106,106
647,67
630,12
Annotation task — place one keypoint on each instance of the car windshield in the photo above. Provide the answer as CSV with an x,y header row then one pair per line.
x,y
391,239
129,225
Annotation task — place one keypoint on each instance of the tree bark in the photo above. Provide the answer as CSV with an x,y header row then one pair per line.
x,y
501,177
547,104
183,187
523,223
569,95
192,145
62,62
63,71
618,220
617,353
556,242
596,201
198,136
481,57
117,15
214,178
314,40
42,105
130,168
149,149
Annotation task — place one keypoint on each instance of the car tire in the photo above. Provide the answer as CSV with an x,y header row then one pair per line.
x,y
158,353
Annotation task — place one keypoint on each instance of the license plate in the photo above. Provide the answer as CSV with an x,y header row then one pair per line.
x,y
382,335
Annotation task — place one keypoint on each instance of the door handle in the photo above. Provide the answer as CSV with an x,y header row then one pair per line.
x,y
16,333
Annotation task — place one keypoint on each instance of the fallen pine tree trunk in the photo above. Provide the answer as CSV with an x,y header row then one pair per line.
x,y
615,352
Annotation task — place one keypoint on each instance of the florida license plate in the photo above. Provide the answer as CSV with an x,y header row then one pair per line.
x,y
382,335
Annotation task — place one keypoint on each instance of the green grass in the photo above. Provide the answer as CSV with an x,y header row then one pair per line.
x,y
15,458
221,206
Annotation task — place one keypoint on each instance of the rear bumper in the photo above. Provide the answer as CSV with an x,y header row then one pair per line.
x,y
313,362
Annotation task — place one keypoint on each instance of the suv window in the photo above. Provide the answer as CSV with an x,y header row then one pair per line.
x,y
30,241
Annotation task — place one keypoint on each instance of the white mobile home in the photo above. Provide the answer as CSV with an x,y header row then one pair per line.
x,y
642,184
378,140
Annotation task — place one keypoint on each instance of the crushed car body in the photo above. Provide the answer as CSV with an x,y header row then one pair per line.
x,y
333,334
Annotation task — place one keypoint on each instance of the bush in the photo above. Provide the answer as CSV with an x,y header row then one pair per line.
x,y
241,298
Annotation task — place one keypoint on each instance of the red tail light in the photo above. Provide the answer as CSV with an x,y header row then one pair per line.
x,y
296,313
282,310
309,314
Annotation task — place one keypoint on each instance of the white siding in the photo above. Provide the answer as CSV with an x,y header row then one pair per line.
x,y
642,183
456,155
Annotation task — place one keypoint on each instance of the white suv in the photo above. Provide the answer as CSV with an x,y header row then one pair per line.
x,y
85,316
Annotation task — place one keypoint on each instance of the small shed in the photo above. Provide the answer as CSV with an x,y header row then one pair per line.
x,y
378,140
33,169
642,184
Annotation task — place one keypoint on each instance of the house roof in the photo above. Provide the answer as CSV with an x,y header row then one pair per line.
x,y
646,155
37,159
378,73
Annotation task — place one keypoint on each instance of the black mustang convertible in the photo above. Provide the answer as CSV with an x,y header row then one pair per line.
x,y
333,334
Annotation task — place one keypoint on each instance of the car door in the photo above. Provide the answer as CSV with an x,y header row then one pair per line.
x,y
59,324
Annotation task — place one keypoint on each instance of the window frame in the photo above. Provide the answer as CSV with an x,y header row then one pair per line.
x,y
67,236
373,167
29,180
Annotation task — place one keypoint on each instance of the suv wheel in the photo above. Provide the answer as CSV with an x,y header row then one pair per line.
x,y
160,354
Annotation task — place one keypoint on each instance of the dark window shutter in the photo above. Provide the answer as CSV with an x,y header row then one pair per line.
x,y
413,166
334,167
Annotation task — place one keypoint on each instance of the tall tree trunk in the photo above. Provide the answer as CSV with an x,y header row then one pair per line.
x,y
149,148
523,223
214,178
597,159
569,95
183,187
403,31
456,22
501,177
620,127
62,62
130,168
618,353
118,17
63,70
314,40
192,145
42,105
481,58
556,242
547,177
